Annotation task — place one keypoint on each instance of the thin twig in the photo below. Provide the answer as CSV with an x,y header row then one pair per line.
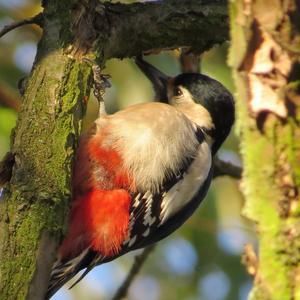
x,y
136,267
189,61
222,168
38,20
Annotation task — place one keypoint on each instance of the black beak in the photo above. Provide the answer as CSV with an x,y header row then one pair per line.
x,y
159,80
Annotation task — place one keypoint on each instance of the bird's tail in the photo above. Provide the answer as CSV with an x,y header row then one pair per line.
x,y
63,271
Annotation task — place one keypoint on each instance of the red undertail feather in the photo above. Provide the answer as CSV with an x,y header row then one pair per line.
x,y
99,220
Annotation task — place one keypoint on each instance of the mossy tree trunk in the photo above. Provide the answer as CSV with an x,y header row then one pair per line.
x,y
35,202
265,56
34,208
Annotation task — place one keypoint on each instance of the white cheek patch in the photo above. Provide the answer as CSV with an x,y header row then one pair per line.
x,y
194,111
185,189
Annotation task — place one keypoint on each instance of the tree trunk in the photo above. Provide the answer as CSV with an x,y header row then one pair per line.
x,y
35,203
265,55
34,208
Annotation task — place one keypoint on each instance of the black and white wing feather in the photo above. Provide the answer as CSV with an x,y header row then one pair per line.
x,y
154,216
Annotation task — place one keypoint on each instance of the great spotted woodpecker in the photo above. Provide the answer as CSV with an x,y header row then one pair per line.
x,y
141,172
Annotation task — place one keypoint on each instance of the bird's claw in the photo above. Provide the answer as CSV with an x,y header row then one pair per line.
x,y
100,81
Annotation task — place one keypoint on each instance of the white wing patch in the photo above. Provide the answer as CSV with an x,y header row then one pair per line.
x,y
146,233
185,189
148,220
137,200
132,241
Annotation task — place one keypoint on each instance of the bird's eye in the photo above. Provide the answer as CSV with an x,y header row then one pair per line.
x,y
177,91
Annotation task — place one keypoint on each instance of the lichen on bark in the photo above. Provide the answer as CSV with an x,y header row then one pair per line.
x,y
264,58
35,203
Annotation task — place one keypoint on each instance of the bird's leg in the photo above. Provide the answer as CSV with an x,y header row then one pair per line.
x,y
100,83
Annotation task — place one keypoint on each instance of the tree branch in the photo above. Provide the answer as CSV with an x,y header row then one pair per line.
x,y
130,29
136,267
34,20
189,61
162,24
222,168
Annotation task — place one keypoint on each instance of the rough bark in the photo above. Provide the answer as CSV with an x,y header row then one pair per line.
x,y
168,24
35,203
122,30
265,55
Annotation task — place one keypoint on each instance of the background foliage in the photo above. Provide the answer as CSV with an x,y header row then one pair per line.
x,y
199,261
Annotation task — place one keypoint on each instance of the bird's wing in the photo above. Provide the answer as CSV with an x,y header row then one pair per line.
x,y
155,215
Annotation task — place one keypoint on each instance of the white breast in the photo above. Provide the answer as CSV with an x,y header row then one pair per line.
x,y
154,139
185,189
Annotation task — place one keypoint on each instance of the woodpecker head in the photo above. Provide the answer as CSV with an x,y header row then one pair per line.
x,y
202,99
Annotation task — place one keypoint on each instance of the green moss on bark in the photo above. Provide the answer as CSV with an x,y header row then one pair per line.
x,y
270,149
36,202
